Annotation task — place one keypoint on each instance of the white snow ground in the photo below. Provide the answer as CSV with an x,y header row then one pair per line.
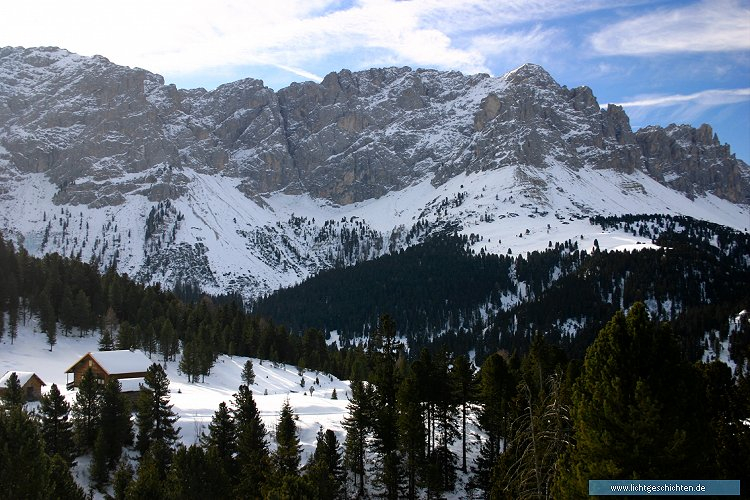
x,y
194,403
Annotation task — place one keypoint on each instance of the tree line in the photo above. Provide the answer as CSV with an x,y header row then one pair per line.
x,y
634,408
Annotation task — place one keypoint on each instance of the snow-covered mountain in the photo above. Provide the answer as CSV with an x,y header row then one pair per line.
x,y
246,189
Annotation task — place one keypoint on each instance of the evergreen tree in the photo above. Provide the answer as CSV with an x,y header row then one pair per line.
x,y
98,468
47,318
155,417
56,429
167,341
82,308
288,449
190,362
62,486
116,427
24,467
126,338
150,481
357,424
121,479
632,410
67,312
85,411
463,378
442,458
248,374
13,320
324,469
384,352
13,397
333,394
496,390
412,433
253,460
222,437
195,475
108,331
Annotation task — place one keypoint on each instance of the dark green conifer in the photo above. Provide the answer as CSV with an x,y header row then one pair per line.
x,y
56,428
85,411
287,456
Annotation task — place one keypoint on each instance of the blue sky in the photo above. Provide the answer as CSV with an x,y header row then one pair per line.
x,y
664,61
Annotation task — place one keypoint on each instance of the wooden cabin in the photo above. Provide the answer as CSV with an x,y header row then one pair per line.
x,y
30,382
126,366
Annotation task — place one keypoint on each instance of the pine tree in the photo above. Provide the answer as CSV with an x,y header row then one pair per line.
x,y
357,423
412,433
155,417
324,469
47,318
13,396
633,411
195,474
62,485
98,468
85,411
384,349
82,308
121,479
150,481
287,455
167,341
248,374
189,363
115,422
463,379
108,329
24,471
496,390
333,394
222,437
56,429
253,461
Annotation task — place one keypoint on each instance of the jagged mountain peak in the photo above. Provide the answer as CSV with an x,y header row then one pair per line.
x,y
531,74
248,189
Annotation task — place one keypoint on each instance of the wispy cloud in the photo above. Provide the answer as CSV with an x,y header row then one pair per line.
x,y
708,26
706,98
190,36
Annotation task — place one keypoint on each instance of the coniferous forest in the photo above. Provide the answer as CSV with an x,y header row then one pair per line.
x,y
436,340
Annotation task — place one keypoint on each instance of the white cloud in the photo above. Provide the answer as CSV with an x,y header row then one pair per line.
x,y
189,36
684,108
708,26
706,98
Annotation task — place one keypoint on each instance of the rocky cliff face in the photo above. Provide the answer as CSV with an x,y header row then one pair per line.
x,y
101,132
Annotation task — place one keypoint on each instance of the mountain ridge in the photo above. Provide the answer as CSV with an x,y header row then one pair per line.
x,y
255,189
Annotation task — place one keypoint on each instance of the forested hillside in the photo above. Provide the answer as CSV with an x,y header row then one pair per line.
x,y
442,293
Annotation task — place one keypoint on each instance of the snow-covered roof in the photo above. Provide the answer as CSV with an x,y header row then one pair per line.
x,y
23,377
124,361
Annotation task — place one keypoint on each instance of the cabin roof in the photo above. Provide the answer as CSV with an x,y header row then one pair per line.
x,y
114,362
23,377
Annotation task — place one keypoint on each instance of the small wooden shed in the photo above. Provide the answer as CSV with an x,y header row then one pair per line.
x,y
30,382
120,365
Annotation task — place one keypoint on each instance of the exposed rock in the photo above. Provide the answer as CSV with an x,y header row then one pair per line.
x,y
101,131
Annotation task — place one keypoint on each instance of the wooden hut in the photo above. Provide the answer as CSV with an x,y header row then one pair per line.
x,y
30,382
126,366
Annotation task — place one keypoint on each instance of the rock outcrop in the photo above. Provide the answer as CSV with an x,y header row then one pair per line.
x,y
101,132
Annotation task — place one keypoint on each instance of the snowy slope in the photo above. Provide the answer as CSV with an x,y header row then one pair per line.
x,y
195,403
216,236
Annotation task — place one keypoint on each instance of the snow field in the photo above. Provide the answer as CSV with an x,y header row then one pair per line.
x,y
195,403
